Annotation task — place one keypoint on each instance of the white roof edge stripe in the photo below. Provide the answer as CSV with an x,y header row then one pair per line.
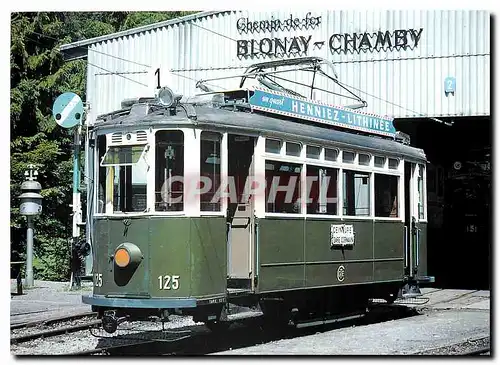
x,y
144,28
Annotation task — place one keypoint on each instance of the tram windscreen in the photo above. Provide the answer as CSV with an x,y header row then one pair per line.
x,y
210,169
126,182
123,155
169,171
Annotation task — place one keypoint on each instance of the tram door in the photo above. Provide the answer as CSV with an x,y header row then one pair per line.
x,y
240,213
411,228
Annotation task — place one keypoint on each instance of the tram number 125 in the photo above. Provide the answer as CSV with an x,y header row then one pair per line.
x,y
168,282
97,280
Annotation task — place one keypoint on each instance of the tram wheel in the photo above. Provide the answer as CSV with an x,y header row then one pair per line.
x,y
391,297
217,326
275,315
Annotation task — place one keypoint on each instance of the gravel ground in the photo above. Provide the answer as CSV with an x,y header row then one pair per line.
x,y
432,329
47,299
451,323
459,349
84,340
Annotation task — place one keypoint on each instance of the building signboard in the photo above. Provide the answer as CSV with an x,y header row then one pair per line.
x,y
302,44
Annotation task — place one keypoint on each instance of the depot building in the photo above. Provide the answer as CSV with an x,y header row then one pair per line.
x,y
429,70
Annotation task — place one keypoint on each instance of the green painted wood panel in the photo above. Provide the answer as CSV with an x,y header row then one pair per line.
x,y
388,239
194,249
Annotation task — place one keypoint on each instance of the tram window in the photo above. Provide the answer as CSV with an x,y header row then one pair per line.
x,y
379,161
313,152
421,200
356,193
123,155
348,157
364,159
169,176
282,187
331,154
393,163
101,188
321,190
273,146
386,196
210,171
293,149
126,174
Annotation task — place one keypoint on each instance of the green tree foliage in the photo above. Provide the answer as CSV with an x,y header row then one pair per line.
x,y
38,76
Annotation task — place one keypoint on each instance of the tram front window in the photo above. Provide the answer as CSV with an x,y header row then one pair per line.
x,y
126,171
210,171
169,167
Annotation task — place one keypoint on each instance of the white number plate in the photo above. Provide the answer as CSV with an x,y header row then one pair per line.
x,y
97,280
167,282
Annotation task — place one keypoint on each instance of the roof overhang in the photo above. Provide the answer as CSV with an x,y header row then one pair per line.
x,y
78,50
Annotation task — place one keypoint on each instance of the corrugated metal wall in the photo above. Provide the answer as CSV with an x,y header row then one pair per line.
x,y
399,83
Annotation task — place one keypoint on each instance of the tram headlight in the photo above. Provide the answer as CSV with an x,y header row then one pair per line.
x,y
122,257
127,255
167,97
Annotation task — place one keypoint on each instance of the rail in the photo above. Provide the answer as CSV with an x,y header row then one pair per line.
x,y
56,330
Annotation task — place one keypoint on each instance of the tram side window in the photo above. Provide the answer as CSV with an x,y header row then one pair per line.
x,y
101,188
421,200
331,154
356,193
126,177
322,190
282,187
169,175
386,196
210,171
273,146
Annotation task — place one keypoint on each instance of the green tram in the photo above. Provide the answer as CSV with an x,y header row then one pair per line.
x,y
200,204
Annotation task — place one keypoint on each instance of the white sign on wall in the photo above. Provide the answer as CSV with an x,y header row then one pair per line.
x,y
341,235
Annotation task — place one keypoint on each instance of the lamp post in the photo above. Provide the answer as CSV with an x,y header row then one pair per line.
x,y
31,205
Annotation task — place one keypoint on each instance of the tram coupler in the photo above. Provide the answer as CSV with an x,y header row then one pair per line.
x,y
110,322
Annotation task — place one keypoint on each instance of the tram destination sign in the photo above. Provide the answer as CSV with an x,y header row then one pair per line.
x,y
316,111
341,235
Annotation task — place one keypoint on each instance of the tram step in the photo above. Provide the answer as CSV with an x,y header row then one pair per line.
x,y
235,292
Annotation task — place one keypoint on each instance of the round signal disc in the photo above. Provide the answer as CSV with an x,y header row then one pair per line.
x,y
122,257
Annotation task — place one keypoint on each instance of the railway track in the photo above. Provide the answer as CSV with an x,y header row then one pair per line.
x,y
242,333
33,330
52,320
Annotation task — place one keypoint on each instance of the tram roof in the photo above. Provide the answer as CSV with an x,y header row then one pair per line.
x,y
269,126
